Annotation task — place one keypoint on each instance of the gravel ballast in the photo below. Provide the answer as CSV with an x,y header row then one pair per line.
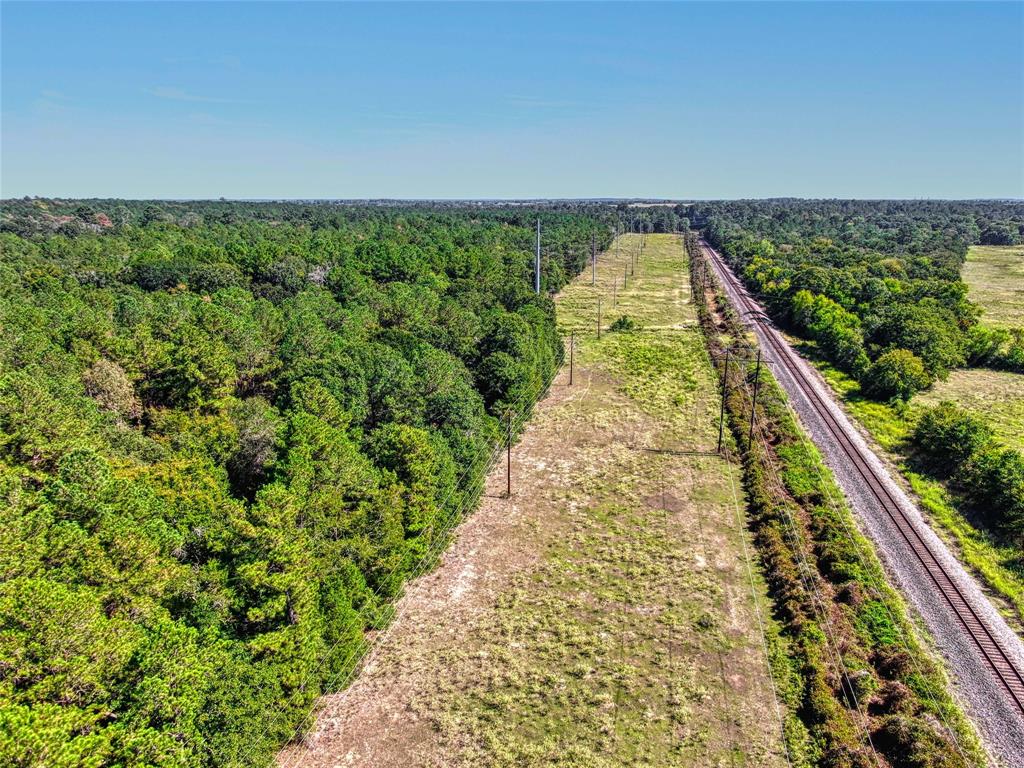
x,y
998,720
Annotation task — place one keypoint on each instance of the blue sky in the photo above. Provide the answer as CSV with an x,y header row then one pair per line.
x,y
267,100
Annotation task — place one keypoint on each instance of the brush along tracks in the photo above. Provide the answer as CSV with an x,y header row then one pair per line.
x,y
867,693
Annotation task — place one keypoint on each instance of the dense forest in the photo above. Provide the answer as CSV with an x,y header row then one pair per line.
x,y
877,286
228,432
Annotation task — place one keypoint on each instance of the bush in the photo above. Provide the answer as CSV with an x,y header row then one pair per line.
x,y
999,348
994,479
948,436
836,330
897,373
624,323
959,445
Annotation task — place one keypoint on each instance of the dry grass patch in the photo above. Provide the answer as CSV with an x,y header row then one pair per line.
x,y
995,278
996,396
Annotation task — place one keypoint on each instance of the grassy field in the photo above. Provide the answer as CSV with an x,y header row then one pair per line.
x,y
995,277
996,396
605,614
633,642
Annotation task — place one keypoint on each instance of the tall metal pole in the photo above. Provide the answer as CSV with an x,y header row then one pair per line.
x,y
536,262
725,391
753,403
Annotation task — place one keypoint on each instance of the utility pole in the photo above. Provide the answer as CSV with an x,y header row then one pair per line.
x,y
725,391
636,253
753,403
536,262
508,458
572,349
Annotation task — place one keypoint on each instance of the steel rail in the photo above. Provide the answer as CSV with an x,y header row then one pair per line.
x,y
992,651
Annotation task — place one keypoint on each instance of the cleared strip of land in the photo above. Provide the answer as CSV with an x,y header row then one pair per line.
x,y
603,615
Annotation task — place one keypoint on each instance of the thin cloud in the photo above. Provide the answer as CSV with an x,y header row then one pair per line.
x,y
205,118
180,94
225,61
537,103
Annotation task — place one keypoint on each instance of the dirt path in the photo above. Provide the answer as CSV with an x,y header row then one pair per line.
x,y
603,615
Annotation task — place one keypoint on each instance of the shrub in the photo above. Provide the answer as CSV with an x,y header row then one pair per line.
x,y
927,329
836,330
947,436
1000,348
958,444
624,323
897,373
994,480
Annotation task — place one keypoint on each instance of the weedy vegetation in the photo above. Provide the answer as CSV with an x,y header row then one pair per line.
x,y
863,680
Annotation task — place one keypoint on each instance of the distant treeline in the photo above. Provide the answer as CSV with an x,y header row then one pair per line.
x,y
34,216
876,284
228,432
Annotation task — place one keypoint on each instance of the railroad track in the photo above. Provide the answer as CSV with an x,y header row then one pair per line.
x,y
992,652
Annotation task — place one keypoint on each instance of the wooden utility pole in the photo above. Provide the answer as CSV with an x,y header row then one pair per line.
x,y
508,458
725,392
572,349
753,402
536,262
